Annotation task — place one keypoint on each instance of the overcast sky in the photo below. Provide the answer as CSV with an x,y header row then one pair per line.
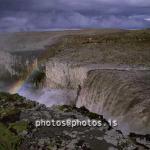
x,y
29,15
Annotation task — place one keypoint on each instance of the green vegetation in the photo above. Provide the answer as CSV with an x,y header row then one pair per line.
x,y
8,140
9,111
6,97
51,146
10,126
82,110
65,108
19,126
12,105
84,47
37,77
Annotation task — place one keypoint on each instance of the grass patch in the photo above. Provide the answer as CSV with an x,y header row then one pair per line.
x,y
8,140
12,105
19,126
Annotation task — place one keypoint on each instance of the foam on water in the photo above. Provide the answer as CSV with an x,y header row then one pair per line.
x,y
47,96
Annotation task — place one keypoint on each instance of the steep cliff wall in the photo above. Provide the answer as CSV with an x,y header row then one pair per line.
x,y
6,61
16,66
69,74
64,74
118,92
109,71
122,95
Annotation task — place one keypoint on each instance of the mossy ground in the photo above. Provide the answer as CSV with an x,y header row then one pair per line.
x,y
82,110
8,140
10,126
19,126
12,104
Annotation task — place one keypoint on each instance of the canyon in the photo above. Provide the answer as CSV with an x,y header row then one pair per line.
x,y
106,71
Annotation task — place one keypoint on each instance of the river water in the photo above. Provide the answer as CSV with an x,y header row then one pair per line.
x,y
47,96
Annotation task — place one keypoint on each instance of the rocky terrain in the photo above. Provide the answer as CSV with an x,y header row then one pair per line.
x,y
110,74
109,70
18,130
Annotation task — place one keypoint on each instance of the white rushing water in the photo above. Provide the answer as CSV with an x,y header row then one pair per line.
x,y
48,96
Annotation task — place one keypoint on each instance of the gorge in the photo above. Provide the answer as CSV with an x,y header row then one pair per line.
x,y
106,71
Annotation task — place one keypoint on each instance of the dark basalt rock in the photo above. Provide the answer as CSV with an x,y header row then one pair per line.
x,y
29,137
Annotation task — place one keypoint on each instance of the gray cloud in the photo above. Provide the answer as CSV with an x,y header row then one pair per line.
x,y
21,15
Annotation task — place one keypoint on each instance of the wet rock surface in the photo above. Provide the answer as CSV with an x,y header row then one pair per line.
x,y
21,133
108,70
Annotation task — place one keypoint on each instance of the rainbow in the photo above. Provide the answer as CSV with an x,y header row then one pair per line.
x,y
15,87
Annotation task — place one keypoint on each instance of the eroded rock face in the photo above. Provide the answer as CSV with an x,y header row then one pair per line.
x,y
123,95
20,132
14,66
89,64
6,61
64,74
118,92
